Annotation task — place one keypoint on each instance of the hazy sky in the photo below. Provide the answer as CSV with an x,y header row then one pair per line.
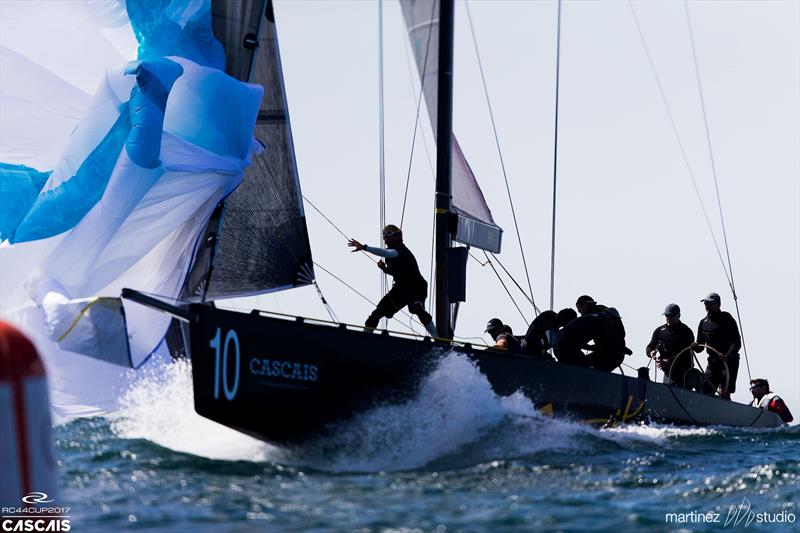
x,y
630,229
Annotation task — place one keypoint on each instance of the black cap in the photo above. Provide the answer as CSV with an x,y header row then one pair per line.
x,y
758,382
585,299
494,323
672,310
711,297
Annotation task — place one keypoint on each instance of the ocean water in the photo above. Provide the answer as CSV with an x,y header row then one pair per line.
x,y
456,458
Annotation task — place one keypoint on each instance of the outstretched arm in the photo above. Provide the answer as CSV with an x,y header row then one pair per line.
x,y
357,246
381,252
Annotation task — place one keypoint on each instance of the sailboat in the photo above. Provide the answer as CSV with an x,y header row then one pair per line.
x,y
286,380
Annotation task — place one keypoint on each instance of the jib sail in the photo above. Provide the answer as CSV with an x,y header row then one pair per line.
x,y
258,241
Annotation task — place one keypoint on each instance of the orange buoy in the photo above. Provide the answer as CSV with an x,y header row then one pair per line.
x,y
26,444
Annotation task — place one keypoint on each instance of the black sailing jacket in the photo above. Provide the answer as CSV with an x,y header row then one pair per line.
x,y
404,270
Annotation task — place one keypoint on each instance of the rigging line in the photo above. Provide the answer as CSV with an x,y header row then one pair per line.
x,y
419,105
325,217
340,280
381,144
499,151
362,252
677,136
535,307
325,303
335,226
500,279
555,161
480,339
716,182
176,299
481,263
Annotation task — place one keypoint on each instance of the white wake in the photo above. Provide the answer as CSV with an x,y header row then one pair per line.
x,y
455,416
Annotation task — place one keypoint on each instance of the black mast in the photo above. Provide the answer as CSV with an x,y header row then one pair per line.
x,y
444,122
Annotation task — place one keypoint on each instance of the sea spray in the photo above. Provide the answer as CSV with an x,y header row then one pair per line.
x,y
160,408
454,407
455,420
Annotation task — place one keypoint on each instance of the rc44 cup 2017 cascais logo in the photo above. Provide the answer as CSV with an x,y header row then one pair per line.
x,y
35,514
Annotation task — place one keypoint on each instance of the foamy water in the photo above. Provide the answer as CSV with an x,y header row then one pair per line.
x,y
455,457
160,408
456,413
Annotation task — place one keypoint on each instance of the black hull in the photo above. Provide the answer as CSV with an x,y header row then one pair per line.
x,y
288,381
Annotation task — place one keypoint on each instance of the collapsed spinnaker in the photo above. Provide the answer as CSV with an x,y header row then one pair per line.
x,y
163,141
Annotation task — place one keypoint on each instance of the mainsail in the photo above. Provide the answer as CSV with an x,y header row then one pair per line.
x,y
258,242
476,226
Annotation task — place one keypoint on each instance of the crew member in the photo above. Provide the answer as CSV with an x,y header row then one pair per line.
x,y
544,332
600,325
768,400
502,335
670,346
409,288
541,335
565,316
587,306
718,331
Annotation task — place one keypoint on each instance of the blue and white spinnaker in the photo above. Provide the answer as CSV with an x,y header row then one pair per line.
x,y
119,135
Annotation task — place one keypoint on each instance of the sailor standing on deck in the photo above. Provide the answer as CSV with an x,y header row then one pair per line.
x,y
719,331
409,288
670,346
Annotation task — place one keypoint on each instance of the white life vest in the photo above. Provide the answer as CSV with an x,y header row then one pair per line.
x,y
764,402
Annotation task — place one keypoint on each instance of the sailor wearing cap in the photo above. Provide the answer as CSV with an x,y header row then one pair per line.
x,y
669,346
720,333
502,335
767,400
587,306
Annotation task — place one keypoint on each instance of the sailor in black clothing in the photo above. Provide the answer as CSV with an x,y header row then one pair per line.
x,y
719,331
409,288
587,306
670,346
541,335
503,336
599,324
